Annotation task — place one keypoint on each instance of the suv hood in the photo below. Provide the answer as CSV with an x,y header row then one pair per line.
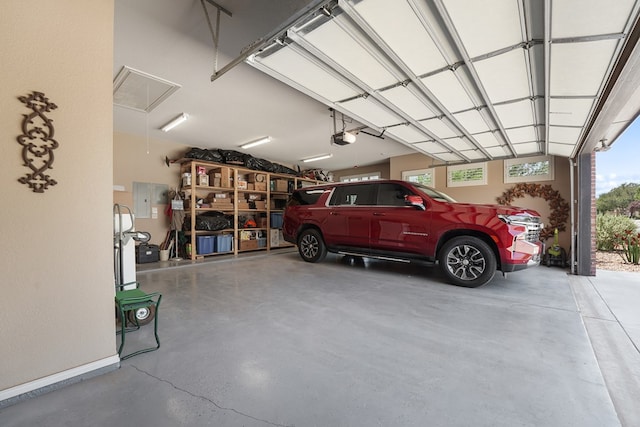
x,y
495,209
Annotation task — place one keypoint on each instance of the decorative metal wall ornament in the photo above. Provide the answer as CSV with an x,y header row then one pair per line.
x,y
37,142
559,207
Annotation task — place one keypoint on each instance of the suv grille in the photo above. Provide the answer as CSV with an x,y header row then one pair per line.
x,y
534,227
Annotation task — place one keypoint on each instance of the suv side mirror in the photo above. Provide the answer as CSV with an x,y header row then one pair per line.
x,y
415,201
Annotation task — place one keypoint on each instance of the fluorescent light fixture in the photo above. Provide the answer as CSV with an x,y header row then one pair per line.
x,y
316,158
256,142
175,122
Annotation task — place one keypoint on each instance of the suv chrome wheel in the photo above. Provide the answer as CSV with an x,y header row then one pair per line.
x,y
468,261
311,246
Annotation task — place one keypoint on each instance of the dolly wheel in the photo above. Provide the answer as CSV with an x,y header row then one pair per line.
x,y
143,315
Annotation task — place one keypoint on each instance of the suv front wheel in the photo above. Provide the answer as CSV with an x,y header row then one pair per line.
x,y
467,261
311,246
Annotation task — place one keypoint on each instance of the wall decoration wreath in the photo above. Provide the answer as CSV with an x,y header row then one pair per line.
x,y
559,207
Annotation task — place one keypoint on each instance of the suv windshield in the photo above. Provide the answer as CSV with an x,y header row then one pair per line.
x,y
435,195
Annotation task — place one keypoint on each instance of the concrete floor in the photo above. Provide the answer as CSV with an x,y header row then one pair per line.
x,y
269,340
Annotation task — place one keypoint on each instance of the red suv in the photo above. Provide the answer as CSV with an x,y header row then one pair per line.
x,y
404,221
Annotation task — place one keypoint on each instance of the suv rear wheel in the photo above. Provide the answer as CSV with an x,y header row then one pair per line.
x,y
467,261
311,246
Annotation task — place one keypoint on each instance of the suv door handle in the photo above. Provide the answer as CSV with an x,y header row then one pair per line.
x,y
334,213
378,214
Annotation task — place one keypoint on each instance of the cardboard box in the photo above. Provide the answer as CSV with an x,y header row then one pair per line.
x,y
274,238
242,185
281,185
202,180
243,205
260,204
257,177
251,186
248,244
261,222
224,174
248,234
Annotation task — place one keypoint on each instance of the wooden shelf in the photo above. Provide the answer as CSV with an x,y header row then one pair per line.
x,y
223,173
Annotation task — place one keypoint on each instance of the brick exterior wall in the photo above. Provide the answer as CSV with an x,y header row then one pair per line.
x,y
593,214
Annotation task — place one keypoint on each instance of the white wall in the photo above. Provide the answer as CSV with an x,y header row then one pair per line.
x,y
57,309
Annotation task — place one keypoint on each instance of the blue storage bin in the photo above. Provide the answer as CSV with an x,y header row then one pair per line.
x,y
205,244
224,243
276,219
262,242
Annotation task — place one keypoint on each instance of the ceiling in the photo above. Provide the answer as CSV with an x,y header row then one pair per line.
x,y
460,81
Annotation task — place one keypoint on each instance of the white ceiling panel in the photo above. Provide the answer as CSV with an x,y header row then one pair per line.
x,y
486,139
372,112
473,154
447,89
576,18
527,148
472,121
523,134
496,151
515,114
485,26
569,112
450,157
408,102
563,150
406,133
458,143
578,69
308,74
439,128
564,135
401,29
351,54
431,147
504,76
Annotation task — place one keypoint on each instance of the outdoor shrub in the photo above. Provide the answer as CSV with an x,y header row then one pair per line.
x,y
608,226
630,243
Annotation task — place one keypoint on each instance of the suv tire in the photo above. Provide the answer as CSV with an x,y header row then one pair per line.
x,y
311,245
467,261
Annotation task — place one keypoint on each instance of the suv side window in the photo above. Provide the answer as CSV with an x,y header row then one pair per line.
x,y
354,195
304,197
390,194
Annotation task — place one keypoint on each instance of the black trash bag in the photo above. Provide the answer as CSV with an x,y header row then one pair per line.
x,y
233,157
210,155
257,164
209,221
283,169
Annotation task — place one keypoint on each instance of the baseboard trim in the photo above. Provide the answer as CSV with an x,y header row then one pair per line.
x,y
49,383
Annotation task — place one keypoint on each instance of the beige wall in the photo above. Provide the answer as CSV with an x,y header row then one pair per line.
x,y
383,168
57,310
134,164
494,188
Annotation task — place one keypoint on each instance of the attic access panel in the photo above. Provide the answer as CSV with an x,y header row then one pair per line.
x,y
140,91
505,78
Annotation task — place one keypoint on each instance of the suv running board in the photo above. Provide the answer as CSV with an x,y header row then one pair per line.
x,y
384,258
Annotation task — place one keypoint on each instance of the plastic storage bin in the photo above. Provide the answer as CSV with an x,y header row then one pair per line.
x,y
205,244
224,243
276,219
